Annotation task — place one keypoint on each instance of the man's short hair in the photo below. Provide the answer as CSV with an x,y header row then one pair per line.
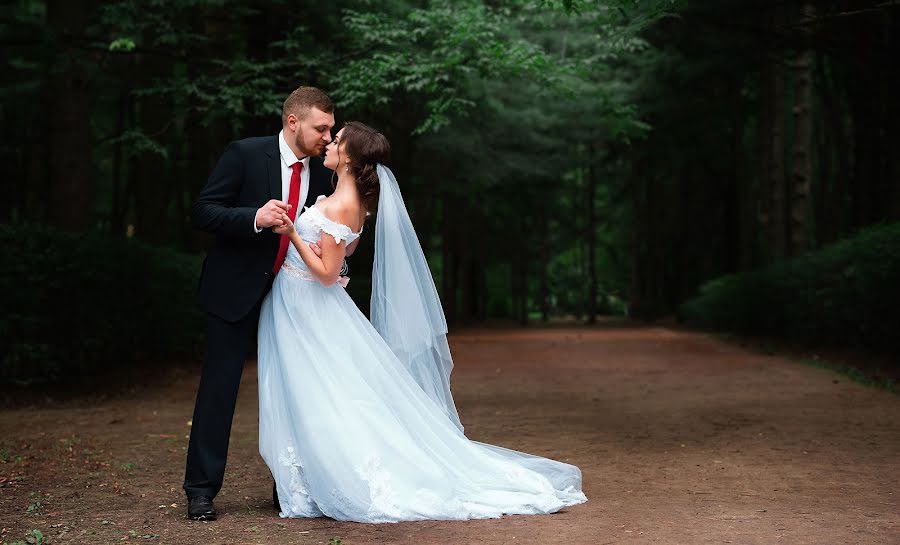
x,y
302,99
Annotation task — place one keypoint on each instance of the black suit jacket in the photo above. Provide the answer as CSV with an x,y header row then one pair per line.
x,y
238,268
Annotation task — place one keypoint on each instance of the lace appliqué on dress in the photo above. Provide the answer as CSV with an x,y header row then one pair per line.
x,y
299,503
383,500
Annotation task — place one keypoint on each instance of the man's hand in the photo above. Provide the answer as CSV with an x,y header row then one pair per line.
x,y
272,214
315,248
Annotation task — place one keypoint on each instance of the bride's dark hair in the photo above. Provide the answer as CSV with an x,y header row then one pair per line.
x,y
365,147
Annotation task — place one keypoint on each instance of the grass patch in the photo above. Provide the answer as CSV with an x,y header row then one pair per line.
x,y
869,373
854,373
34,537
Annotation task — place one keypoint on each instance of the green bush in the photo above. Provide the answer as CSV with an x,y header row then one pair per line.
x,y
76,304
843,295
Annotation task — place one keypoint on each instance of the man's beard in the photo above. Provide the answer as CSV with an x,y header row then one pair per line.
x,y
304,150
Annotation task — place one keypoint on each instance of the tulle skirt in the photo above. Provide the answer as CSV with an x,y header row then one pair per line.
x,y
349,434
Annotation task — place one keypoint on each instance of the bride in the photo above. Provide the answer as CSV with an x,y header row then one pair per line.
x,y
356,420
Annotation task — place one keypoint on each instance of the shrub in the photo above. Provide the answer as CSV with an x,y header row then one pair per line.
x,y
75,304
845,294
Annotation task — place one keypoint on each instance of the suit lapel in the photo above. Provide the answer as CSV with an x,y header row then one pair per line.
x,y
274,167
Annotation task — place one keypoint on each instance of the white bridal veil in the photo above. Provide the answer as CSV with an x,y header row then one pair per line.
x,y
405,307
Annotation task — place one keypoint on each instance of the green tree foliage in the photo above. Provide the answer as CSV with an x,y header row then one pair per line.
x,y
559,157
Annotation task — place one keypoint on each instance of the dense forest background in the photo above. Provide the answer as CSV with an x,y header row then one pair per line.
x,y
559,158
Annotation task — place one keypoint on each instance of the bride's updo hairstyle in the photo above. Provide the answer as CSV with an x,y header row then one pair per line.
x,y
365,147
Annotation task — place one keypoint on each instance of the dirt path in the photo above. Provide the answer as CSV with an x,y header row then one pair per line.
x,y
681,438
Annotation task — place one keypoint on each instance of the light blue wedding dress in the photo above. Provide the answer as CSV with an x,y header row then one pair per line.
x,y
352,432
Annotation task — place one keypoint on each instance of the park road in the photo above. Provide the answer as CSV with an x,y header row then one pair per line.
x,y
681,438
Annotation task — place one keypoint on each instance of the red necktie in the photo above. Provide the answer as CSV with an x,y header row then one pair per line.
x,y
293,200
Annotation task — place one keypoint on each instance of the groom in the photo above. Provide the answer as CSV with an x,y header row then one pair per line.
x,y
256,182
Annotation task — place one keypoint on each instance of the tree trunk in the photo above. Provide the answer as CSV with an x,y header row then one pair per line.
x,y
803,122
448,255
544,288
822,182
523,293
154,181
764,153
732,211
519,273
637,238
117,214
466,268
865,126
892,115
69,99
863,90
746,198
773,208
481,288
685,269
829,218
590,197
776,167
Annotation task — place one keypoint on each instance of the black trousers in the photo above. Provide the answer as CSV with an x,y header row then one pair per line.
x,y
227,345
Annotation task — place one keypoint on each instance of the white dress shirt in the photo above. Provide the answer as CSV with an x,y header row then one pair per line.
x,y
287,163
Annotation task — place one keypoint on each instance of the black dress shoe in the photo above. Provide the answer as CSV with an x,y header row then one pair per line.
x,y
201,508
275,502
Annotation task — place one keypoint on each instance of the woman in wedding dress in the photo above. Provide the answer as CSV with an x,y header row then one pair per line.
x,y
356,420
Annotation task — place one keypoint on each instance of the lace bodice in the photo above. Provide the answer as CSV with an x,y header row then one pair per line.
x,y
312,225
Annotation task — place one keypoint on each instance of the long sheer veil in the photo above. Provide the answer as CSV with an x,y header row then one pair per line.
x,y
405,307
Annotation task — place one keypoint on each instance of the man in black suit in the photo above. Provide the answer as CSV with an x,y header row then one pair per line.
x,y
256,183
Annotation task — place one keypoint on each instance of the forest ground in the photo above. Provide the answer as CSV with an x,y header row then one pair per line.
x,y
682,438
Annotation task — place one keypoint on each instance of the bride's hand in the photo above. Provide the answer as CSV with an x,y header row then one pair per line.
x,y
285,229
